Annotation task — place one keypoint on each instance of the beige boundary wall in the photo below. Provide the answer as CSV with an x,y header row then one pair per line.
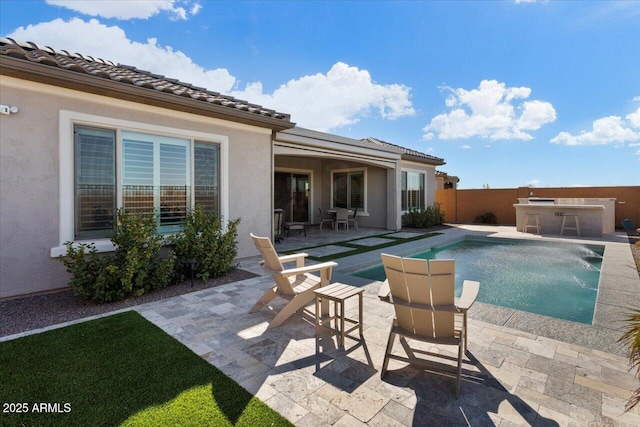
x,y
463,206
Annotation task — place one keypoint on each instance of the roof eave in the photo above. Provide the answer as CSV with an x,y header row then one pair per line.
x,y
21,69
433,161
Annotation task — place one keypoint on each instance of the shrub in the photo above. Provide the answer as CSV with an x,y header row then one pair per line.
x,y
487,218
134,268
85,265
424,218
204,241
631,338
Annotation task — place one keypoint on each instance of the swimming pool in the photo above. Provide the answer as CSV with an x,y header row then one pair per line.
x,y
553,279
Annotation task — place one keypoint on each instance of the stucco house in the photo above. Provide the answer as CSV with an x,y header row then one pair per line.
x,y
81,137
444,181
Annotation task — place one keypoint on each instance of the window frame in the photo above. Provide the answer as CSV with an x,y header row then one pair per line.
x,y
348,172
424,189
66,150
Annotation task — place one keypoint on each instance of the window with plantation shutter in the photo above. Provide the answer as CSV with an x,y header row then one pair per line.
x,y
207,176
412,190
155,178
349,189
95,182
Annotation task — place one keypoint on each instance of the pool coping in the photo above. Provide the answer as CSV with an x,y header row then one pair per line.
x,y
618,289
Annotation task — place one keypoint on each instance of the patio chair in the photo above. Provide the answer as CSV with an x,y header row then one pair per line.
x,y
342,217
422,293
324,219
354,218
294,284
278,216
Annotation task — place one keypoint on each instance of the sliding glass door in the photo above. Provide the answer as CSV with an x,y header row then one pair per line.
x,y
291,193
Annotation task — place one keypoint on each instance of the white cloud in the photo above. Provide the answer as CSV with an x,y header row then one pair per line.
x,y
323,102
318,101
465,147
490,111
127,9
88,38
533,183
636,98
195,8
607,130
634,118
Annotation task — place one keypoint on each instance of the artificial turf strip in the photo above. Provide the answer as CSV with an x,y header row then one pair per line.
x,y
361,249
120,370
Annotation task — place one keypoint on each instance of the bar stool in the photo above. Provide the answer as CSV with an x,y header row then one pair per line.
x,y
527,224
338,293
565,226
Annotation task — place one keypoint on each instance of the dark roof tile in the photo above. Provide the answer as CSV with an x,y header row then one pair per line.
x,y
127,74
406,151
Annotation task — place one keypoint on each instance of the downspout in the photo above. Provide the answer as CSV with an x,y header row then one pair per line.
x,y
272,180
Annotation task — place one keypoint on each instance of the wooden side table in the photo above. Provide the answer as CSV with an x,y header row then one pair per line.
x,y
338,293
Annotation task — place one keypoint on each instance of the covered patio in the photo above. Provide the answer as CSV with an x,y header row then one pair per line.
x,y
521,369
316,171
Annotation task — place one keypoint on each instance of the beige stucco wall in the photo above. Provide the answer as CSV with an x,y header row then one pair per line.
x,y
29,176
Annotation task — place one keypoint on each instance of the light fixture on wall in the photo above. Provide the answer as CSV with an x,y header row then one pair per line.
x,y
8,109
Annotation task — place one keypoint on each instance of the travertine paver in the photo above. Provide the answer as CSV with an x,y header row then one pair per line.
x,y
371,241
327,250
405,234
511,375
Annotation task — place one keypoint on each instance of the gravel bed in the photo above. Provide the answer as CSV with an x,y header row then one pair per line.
x,y
34,312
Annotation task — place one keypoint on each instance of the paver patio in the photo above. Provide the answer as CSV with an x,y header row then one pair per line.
x,y
511,376
520,369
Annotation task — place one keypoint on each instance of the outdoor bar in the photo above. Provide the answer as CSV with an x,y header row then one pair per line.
x,y
583,217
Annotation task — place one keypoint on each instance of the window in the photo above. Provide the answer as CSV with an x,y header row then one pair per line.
x,y
412,191
207,176
95,176
348,190
155,178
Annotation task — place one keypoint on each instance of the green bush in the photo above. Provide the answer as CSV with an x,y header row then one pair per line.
x,y
487,218
424,218
134,268
204,241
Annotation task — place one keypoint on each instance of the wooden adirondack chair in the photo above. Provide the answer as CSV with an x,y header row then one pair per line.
x,y
422,293
294,284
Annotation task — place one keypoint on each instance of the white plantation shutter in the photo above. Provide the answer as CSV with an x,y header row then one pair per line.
x,y
206,175
95,187
156,176
356,190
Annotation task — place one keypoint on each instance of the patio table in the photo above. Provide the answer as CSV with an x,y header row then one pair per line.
x,y
333,214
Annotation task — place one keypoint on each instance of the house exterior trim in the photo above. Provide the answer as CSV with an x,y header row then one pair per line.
x,y
26,70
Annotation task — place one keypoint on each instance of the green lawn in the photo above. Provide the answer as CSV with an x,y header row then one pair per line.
x,y
119,370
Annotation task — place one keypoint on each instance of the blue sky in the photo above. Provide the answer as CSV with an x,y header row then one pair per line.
x,y
509,93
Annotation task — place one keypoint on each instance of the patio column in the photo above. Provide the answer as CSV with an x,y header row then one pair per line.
x,y
394,219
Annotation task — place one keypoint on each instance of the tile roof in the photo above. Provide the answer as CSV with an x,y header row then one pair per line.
x,y
415,155
128,75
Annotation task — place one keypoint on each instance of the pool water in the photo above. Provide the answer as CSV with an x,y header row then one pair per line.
x,y
553,279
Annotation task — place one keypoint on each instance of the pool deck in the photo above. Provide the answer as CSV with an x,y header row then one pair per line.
x,y
520,369
617,290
